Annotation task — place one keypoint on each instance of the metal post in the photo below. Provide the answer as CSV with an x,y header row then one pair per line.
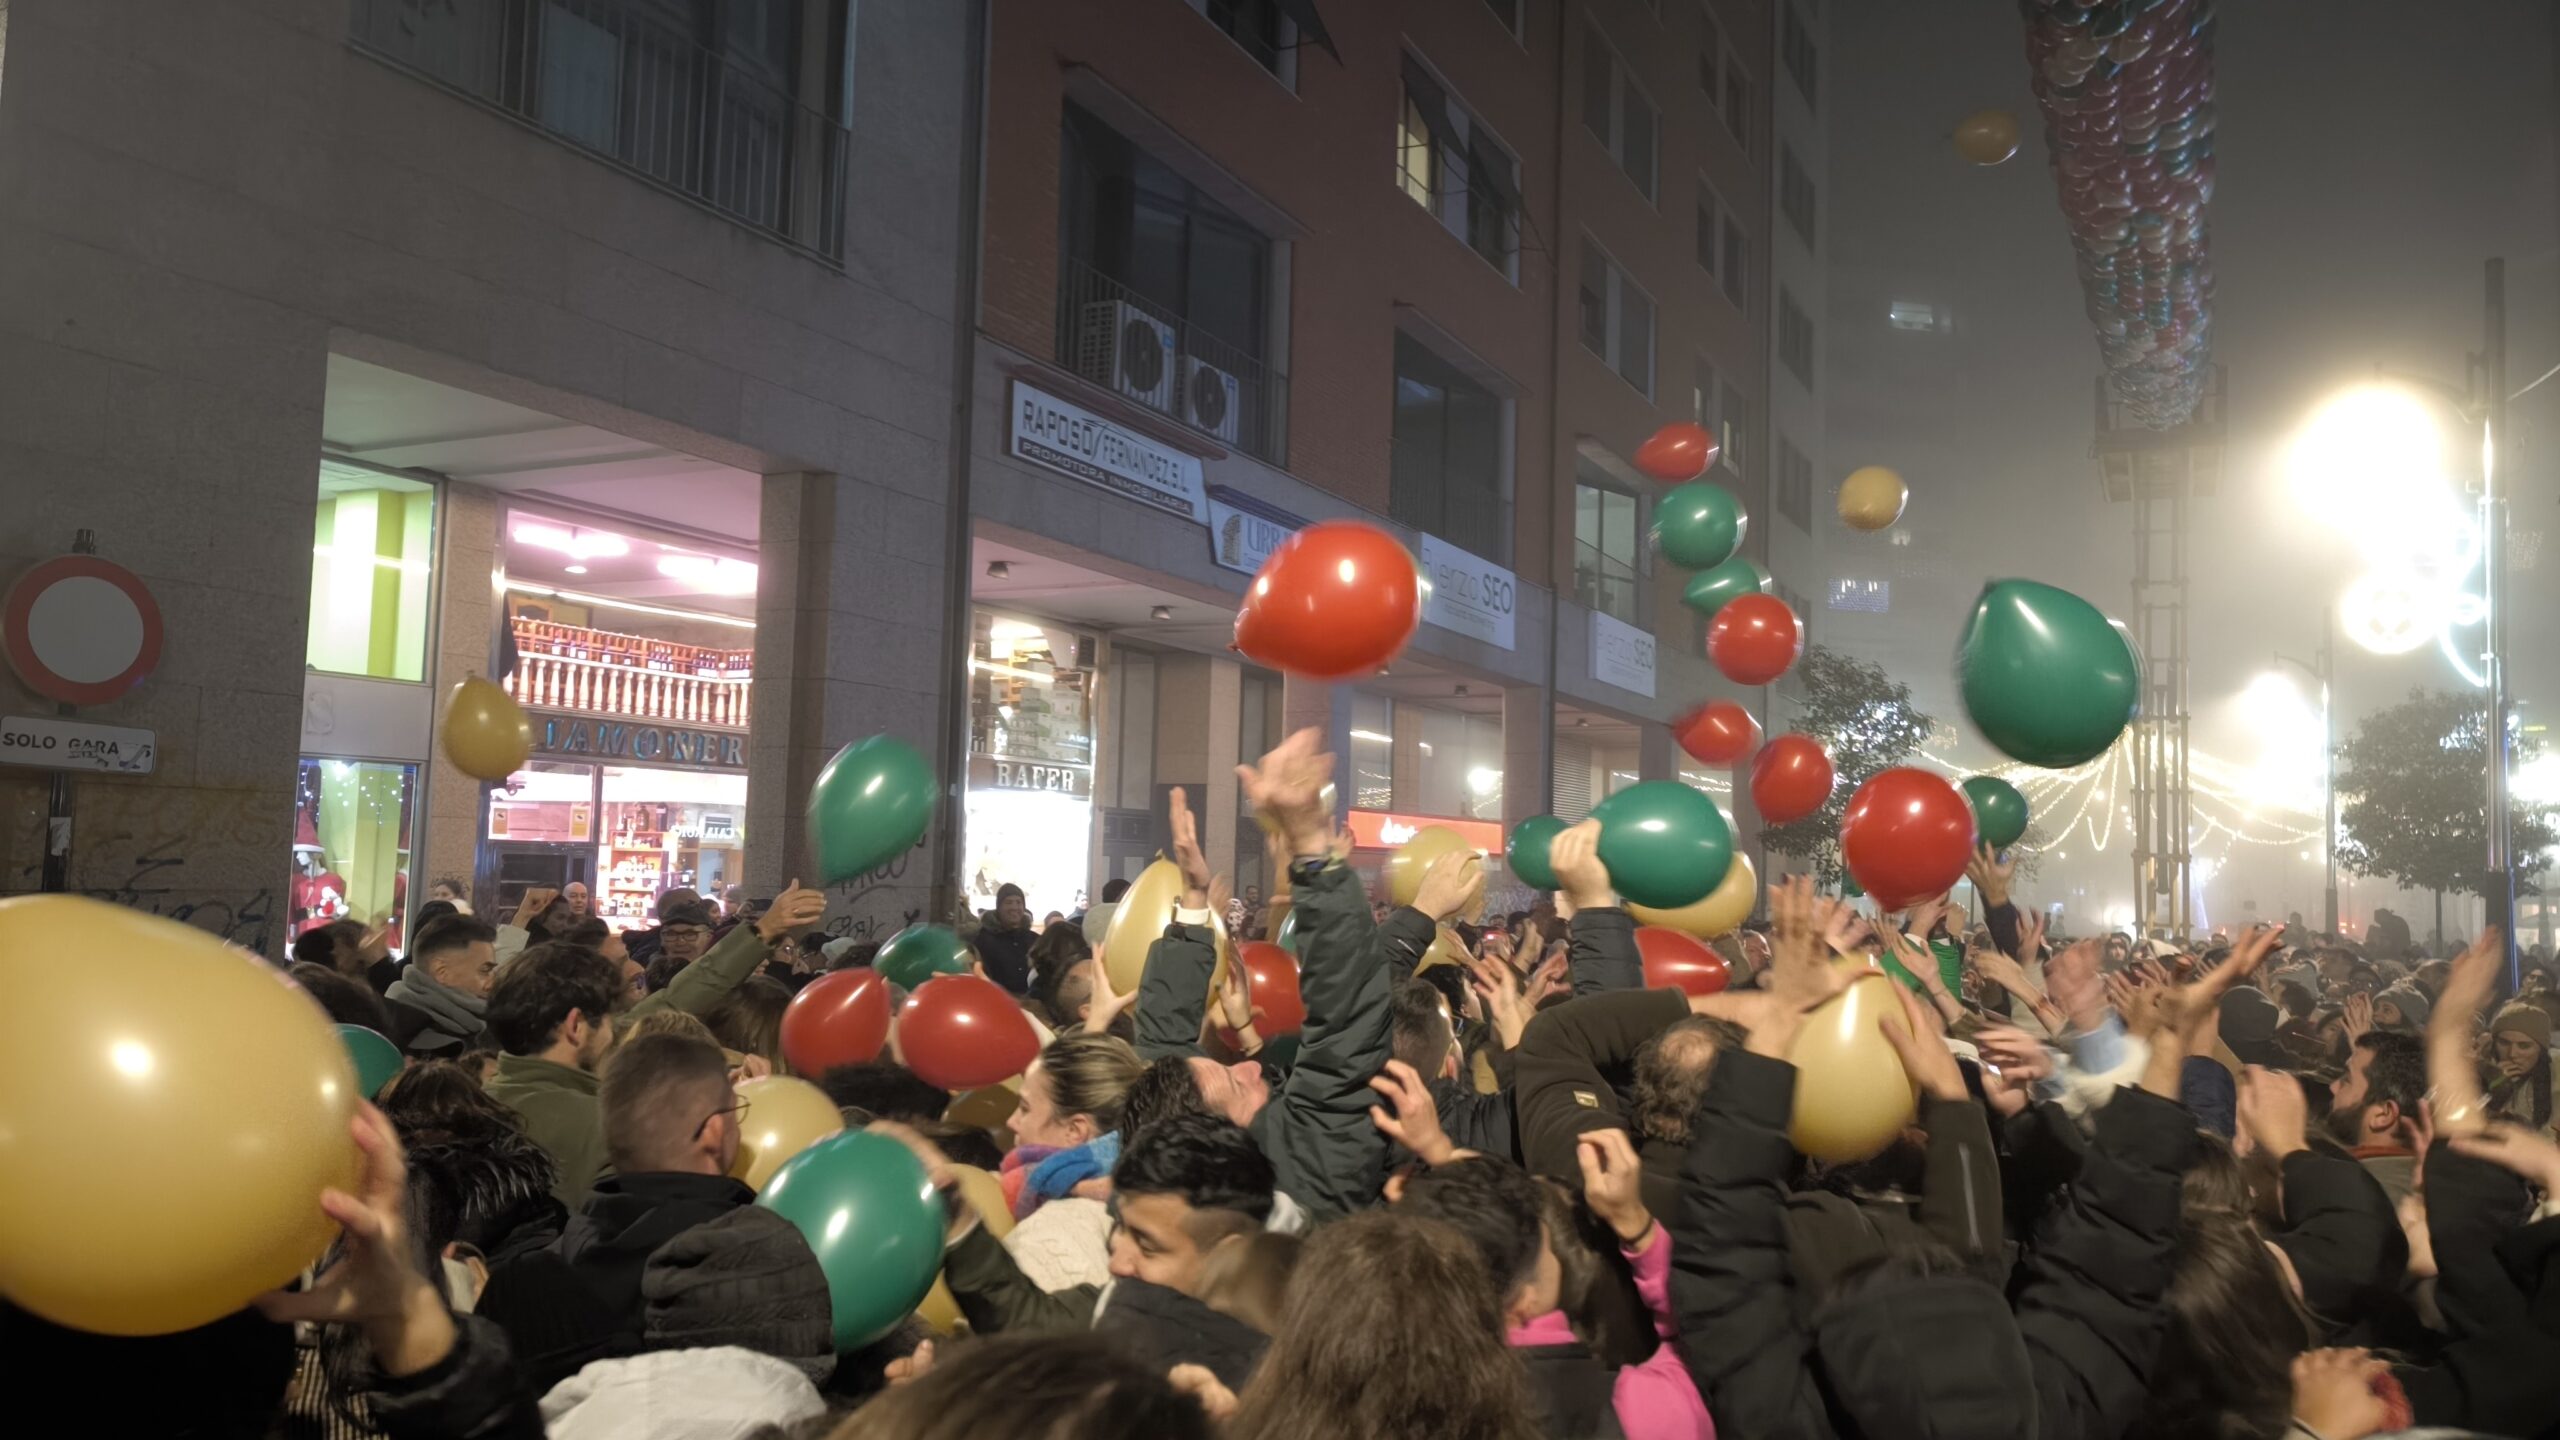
x,y
2498,885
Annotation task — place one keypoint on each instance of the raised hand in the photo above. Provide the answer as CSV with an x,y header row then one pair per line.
x,y
1416,1121
1582,882
2071,978
2453,1079
1499,991
796,908
1612,1183
1452,886
377,1282
1801,976
1922,1048
1222,892
2358,1015
2274,1117
1107,1002
2030,938
1287,791
1844,930
1990,873
2529,1153
1186,850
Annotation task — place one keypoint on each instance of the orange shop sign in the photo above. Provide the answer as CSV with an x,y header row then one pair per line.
x,y
1378,830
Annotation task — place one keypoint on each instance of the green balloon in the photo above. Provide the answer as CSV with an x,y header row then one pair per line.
x,y
1999,811
2046,678
1665,844
1527,855
1850,889
1698,526
1710,589
872,801
872,1218
920,952
375,1057
1286,937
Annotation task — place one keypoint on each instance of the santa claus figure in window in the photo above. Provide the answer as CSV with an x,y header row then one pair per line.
x,y
319,893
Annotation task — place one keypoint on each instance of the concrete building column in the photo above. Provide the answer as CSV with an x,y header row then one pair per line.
x,y
849,641
1528,787
1405,756
1198,699
1657,758
467,620
1305,703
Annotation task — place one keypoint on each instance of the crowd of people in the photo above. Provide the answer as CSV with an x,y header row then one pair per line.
x,y
1492,1186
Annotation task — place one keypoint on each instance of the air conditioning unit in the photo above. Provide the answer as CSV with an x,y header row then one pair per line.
x,y
1210,399
1129,350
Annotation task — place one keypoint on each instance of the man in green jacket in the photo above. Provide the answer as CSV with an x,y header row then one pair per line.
x,y
553,1013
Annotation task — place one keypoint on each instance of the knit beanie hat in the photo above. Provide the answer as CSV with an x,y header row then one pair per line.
x,y
747,1279
2411,1000
2517,1017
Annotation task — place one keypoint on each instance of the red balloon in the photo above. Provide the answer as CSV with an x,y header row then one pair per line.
x,y
1271,982
1677,452
960,1032
1790,778
1685,962
1718,733
837,1019
1754,638
1336,599
1906,837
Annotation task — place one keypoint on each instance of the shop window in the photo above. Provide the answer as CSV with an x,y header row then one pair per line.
x,y
1608,549
351,843
372,567
1458,761
665,829
1449,475
1031,737
1373,751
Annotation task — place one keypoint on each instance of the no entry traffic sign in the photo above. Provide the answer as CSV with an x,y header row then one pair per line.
x,y
80,630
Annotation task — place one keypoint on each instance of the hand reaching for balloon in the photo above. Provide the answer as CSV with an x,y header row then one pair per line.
x,y
2071,978
1844,930
1186,852
938,1172
2019,1055
1990,872
796,908
1552,978
1924,919
1452,886
1416,1121
1287,791
1107,1004
1499,991
1612,1183
2030,939
1582,882
376,1282
1234,1006
1801,978
1922,1048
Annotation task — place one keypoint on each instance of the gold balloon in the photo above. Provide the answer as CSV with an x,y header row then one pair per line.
x,y
1852,1097
988,1108
1445,950
1414,857
1139,921
1720,913
986,1196
1987,137
784,1116
485,733
169,1114
1872,498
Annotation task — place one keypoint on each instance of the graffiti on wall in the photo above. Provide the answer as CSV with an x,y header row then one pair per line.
x,y
132,846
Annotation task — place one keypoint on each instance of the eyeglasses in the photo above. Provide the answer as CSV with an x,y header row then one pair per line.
x,y
737,1107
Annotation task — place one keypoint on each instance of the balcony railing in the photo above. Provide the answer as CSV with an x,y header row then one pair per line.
x,y
617,79
569,667
1144,352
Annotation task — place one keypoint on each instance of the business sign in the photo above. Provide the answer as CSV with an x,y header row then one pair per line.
x,y
717,825
1378,830
50,743
1242,536
682,747
990,772
1621,654
1472,596
1057,435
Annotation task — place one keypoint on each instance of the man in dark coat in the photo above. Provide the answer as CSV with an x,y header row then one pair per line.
x,y
439,1003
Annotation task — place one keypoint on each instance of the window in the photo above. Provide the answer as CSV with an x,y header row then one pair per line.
x,y
1797,53
1737,103
354,820
1448,474
1702,392
1795,193
1868,597
1373,751
1140,238
1260,28
1802,611
1617,318
1737,264
1912,315
1795,484
1448,163
1608,548
1508,12
1710,235
373,558
1710,55
1617,114
1732,439
1795,336
1458,761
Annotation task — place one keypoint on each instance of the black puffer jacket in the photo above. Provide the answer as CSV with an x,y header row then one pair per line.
x,y
2498,1282
1162,1328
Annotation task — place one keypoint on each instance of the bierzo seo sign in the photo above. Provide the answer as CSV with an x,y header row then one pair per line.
x,y
1469,594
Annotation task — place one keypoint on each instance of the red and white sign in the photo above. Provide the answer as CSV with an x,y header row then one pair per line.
x,y
1378,830
80,630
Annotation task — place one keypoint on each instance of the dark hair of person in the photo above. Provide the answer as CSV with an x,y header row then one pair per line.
x,y
427,915
1009,889
1032,1387
1495,1205
2398,1070
349,1002
1059,950
1211,1164
2226,1361
1162,1090
591,932
885,1091
963,1144
2530,1093
451,931
1418,1031
1249,1279
856,956
321,944
1349,1359
1671,1074
442,1100
539,989
1112,890
749,1019
652,1091
2295,1000
454,883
